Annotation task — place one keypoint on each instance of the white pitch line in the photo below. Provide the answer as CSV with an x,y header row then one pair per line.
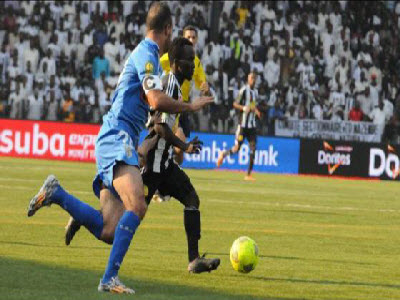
x,y
307,206
253,203
24,188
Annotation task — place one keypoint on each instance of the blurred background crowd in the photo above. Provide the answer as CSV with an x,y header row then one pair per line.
x,y
323,60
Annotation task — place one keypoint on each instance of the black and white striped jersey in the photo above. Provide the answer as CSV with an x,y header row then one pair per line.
x,y
155,151
247,97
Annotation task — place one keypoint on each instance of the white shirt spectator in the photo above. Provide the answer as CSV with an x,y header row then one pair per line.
x,y
374,95
75,92
51,65
375,38
249,51
14,71
378,116
272,72
221,93
44,39
31,55
16,105
28,7
35,107
127,7
85,20
110,51
318,112
330,65
337,98
257,66
305,71
327,41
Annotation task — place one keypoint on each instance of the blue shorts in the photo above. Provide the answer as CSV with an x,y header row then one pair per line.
x,y
112,146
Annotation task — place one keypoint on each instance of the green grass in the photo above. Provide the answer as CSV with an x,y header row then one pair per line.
x,y
319,238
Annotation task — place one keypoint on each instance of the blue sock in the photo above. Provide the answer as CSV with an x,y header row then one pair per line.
x,y
80,211
124,232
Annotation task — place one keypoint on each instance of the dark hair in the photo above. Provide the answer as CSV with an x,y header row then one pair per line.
x,y
189,28
158,17
176,48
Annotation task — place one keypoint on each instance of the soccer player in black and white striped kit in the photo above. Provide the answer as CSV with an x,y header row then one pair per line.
x,y
246,104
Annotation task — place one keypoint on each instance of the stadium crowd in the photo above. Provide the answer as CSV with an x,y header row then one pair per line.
x,y
323,60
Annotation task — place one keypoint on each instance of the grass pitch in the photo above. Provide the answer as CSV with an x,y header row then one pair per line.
x,y
318,238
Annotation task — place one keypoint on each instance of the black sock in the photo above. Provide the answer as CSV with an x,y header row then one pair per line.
x,y
192,227
252,154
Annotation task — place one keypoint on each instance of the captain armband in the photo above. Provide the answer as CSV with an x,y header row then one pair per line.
x,y
151,82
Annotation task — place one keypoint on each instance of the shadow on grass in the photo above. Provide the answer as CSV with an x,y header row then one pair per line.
x,y
329,282
21,279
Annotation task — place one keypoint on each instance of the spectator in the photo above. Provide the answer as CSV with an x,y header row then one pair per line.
x,y
378,115
68,111
272,71
101,64
35,106
356,114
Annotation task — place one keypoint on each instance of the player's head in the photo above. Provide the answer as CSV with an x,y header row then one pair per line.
x,y
159,21
251,79
181,57
190,33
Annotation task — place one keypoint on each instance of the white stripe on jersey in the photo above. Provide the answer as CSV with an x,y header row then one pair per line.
x,y
158,155
248,119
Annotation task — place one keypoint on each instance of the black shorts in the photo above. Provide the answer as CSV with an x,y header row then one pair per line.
x,y
173,182
245,133
184,123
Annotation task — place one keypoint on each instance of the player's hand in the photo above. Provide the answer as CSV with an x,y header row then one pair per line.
x,y
246,109
194,146
201,102
258,114
204,87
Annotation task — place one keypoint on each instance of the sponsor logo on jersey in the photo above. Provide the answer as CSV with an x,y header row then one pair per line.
x,y
149,68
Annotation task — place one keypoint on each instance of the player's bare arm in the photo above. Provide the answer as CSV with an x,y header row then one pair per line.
x,y
161,102
163,130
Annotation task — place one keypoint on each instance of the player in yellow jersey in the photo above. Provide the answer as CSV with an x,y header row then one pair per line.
x,y
199,79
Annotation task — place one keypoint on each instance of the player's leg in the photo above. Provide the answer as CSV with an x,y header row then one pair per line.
x,y
111,209
234,149
252,138
128,183
52,192
177,184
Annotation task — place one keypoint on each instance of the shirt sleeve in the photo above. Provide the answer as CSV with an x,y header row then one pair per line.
x,y
147,67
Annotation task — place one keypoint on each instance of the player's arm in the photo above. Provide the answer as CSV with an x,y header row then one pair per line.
x,y
148,69
163,130
161,102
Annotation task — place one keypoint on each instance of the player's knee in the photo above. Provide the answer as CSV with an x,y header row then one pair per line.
x,y
135,201
193,200
107,236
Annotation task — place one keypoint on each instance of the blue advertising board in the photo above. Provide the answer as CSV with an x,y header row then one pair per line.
x,y
273,155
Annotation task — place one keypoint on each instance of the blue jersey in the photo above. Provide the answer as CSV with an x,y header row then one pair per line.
x,y
118,137
129,110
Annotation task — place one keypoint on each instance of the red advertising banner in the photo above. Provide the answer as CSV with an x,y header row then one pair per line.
x,y
49,140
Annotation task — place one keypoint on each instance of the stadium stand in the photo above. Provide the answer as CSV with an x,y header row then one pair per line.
x,y
325,60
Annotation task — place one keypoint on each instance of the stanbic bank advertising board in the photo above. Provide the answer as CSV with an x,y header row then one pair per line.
x,y
274,155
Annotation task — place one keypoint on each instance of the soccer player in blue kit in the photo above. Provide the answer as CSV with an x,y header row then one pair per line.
x,y
118,175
